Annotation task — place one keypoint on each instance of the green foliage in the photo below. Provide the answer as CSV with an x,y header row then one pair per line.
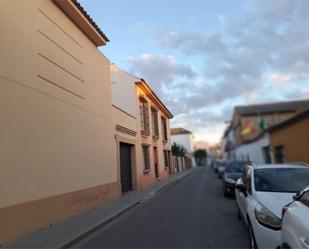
x,y
178,150
200,154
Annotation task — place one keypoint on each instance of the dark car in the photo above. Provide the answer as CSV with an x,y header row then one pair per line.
x,y
233,172
221,170
217,164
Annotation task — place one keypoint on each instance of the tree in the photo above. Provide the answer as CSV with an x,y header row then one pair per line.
x,y
178,151
200,156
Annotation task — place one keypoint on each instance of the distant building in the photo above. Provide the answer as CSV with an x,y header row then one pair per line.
x,y
248,135
184,137
290,139
250,121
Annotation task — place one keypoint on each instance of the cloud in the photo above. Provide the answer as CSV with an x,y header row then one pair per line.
x,y
273,37
221,18
269,43
190,42
159,70
281,79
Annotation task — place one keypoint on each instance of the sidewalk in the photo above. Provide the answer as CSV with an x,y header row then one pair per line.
x,y
68,232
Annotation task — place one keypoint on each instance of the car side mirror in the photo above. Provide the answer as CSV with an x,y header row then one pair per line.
x,y
297,195
242,187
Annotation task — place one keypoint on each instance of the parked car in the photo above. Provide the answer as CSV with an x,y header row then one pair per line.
x,y
232,173
261,193
295,222
221,169
217,164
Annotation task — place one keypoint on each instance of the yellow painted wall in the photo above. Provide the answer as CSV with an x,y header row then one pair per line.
x,y
295,139
57,132
149,140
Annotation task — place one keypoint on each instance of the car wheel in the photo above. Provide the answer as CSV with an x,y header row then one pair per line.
x,y
253,244
285,246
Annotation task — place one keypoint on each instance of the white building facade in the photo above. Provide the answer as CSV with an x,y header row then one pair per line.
x,y
257,151
184,138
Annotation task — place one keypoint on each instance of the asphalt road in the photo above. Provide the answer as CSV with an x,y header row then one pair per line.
x,y
191,214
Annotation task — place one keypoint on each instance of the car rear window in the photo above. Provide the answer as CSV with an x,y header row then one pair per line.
x,y
236,167
281,179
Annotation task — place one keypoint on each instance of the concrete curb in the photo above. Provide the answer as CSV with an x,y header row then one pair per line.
x,y
91,221
98,227
124,211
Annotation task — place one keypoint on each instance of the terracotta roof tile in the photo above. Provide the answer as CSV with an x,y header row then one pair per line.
x,y
177,131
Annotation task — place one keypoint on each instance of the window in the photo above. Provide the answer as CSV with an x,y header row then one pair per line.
x,y
236,167
154,120
144,116
244,174
304,199
248,183
279,154
246,179
146,157
288,180
266,154
164,128
166,158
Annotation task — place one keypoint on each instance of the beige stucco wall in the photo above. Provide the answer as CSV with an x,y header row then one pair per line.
x,y
119,117
55,138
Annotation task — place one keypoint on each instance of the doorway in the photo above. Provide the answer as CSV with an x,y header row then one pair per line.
x,y
125,167
155,152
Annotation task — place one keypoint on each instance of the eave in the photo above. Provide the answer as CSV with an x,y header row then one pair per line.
x,y
154,98
76,13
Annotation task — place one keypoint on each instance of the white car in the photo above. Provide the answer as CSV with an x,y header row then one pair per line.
x,y
295,222
261,193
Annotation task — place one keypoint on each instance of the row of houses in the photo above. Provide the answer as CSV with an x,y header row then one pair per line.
x,y
77,131
268,133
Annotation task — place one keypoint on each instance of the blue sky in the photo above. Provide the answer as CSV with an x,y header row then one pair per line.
x,y
204,57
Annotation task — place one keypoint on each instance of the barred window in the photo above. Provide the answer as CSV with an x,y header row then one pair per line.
x,y
279,154
154,120
144,116
164,128
146,157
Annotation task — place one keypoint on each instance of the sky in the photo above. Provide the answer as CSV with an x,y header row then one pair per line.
x,y
203,58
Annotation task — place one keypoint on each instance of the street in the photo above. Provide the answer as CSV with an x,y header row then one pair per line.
x,y
190,214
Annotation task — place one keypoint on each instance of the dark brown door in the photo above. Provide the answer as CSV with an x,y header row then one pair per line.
x,y
155,152
125,167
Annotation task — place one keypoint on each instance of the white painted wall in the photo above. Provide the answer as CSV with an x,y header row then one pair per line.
x,y
123,90
185,140
254,150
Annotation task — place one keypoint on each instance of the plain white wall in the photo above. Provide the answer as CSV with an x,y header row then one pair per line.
x,y
123,90
185,140
254,150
